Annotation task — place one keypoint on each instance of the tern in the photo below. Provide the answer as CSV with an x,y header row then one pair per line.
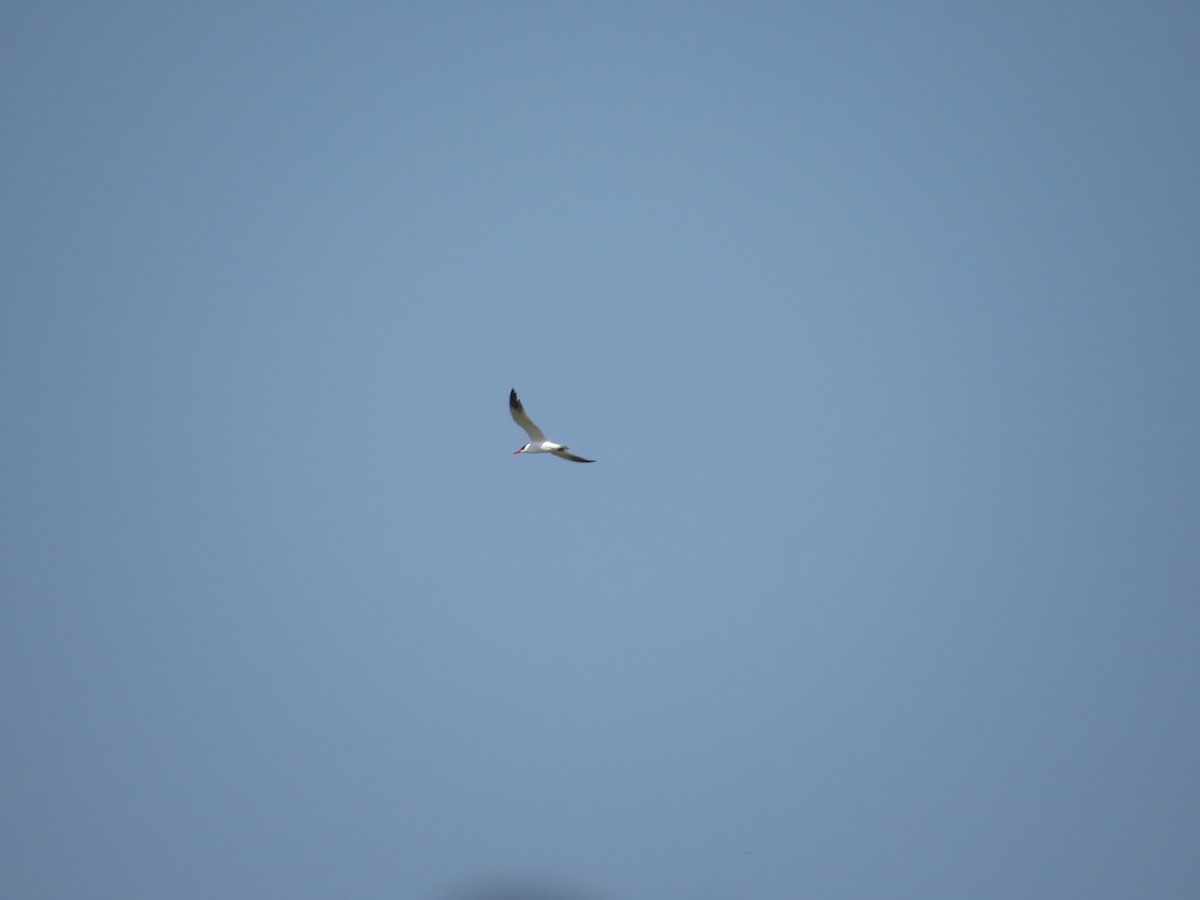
x,y
537,440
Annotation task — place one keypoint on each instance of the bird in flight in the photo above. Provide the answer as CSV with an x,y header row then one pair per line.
x,y
537,440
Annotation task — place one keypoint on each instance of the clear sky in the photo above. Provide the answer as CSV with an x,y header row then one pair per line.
x,y
881,320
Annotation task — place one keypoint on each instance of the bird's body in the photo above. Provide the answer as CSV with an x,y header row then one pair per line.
x,y
537,440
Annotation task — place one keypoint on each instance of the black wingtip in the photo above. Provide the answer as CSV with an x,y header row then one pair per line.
x,y
571,456
513,402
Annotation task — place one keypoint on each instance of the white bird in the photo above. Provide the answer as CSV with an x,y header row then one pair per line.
x,y
537,440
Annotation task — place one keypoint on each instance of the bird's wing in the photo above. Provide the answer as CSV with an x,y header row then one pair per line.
x,y
563,454
522,418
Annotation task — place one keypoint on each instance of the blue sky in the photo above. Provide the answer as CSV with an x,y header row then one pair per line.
x,y
880,321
